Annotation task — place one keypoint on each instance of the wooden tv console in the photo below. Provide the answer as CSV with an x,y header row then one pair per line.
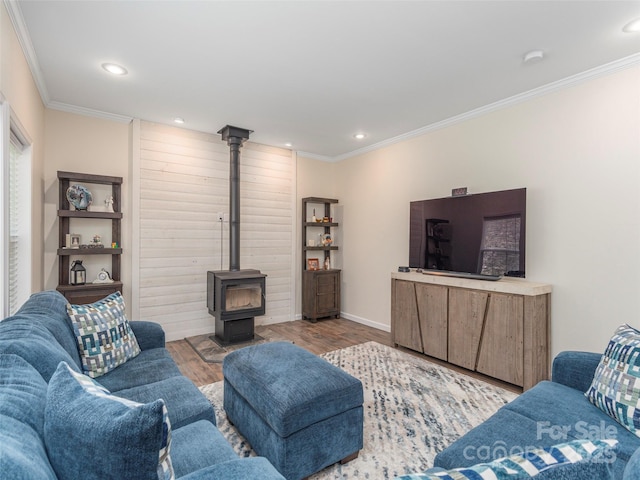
x,y
500,329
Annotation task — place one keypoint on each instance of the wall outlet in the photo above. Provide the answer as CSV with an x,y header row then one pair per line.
x,y
220,216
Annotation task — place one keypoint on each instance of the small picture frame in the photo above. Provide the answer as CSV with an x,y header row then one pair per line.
x,y
313,264
75,240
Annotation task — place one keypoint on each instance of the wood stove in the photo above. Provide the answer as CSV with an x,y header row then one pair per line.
x,y
235,297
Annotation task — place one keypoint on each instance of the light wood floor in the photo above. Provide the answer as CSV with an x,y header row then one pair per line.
x,y
323,336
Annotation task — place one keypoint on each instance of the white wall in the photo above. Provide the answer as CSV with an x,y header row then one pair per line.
x,y
181,182
18,88
577,151
315,178
76,143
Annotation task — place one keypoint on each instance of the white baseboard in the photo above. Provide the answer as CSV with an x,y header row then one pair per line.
x,y
354,318
269,321
365,321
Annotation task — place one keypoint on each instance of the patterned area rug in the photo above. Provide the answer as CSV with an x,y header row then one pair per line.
x,y
412,410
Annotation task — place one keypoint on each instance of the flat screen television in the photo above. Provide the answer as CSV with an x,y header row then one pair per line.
x,y
478,235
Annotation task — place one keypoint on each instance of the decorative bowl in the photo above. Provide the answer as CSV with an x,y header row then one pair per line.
x,y
79,197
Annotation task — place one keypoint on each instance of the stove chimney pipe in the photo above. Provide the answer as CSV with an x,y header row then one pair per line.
x,y
235,137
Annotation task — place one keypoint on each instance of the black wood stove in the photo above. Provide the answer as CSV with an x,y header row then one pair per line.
x,y
235,297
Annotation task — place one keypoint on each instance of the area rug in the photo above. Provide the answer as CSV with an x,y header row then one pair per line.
x,y
211,351
413,409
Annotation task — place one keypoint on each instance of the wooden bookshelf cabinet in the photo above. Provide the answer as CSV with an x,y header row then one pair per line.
x,y
89,292
320,288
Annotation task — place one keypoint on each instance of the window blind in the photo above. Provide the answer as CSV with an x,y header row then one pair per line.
x,y
19,224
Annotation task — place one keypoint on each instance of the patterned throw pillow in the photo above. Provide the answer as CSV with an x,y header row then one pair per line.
x,y
129,440
615,388
104,336
530,463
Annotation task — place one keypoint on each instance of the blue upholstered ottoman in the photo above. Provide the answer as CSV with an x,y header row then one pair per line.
x,y
293,407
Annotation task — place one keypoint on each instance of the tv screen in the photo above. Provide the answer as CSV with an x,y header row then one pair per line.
x,y
479,234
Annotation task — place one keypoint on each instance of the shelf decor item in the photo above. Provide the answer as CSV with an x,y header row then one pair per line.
x,y
75,240
79,197
77,273
313,264
103,277
96,242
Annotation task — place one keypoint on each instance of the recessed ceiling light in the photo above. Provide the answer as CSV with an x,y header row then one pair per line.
x,y
179,120
114,68
533,56
359,136
632,27
288,144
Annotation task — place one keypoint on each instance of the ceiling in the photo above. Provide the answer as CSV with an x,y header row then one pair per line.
x,y
314,73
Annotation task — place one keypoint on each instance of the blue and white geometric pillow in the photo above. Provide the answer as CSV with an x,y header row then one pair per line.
x,y
528,464
615,388
104,336
126,419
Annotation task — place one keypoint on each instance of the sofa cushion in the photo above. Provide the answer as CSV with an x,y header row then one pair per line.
x,y
49,309
557,462
23,455
543,416
105,339
23,336
616,384
185,402
148,367
92,434
573,418
238,469
197,446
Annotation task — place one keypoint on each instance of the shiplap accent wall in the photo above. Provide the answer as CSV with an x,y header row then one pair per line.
x,y
180,183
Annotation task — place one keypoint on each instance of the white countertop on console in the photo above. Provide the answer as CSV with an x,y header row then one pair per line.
x,y
517,286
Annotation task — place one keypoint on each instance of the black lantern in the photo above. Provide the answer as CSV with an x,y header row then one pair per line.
x,y
78,274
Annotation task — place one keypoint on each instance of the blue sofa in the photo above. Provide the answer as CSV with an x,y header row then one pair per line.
x,y
35,345
550,413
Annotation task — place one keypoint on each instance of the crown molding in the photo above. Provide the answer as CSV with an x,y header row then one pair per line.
x,y
89,112
606,69
19,25
315,156
17,20
24,39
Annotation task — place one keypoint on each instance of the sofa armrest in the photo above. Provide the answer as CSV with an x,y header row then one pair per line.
x,y
240,469
149,334
632,470
575,369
